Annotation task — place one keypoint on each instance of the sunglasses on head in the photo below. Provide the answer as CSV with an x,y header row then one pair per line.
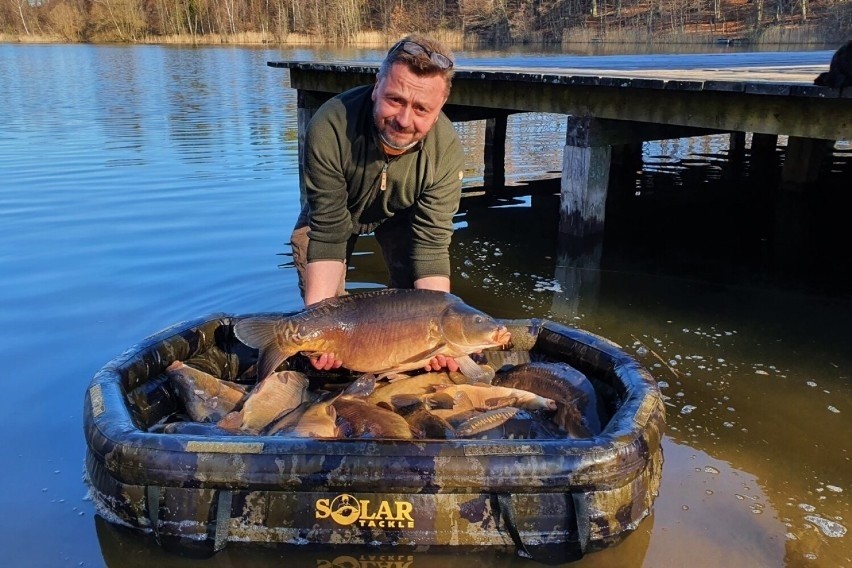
x,y
413,48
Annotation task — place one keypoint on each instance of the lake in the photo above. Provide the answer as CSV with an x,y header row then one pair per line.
x,y
141,186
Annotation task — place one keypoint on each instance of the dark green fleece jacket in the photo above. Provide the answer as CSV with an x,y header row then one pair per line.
x,y
343,166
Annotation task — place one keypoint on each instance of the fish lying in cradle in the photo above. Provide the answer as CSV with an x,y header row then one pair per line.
x,y
436,408
486,397
281,403
383,393
428,405
273,397
308,420
205,397
381,332
574,395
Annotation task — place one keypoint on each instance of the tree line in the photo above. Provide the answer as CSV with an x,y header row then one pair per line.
x,y
483,21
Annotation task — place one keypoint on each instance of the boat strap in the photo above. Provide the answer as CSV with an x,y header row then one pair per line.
x,y
583,518
152,494
548,553
507,511
223,519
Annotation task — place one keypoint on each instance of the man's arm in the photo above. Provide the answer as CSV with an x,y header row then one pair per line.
x,y
322,278
326,190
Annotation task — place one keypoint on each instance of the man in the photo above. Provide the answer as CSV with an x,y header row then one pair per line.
x,y
383,159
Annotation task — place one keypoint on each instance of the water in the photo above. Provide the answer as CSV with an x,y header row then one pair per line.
x,y
142,186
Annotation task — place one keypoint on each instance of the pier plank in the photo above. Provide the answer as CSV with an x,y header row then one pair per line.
x,y
773,99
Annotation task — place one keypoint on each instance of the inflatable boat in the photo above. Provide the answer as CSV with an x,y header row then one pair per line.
x,y
550,499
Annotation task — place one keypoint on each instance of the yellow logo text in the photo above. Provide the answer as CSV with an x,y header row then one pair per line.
x,y
347,510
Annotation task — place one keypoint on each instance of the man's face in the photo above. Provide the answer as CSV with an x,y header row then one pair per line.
x,y
406,106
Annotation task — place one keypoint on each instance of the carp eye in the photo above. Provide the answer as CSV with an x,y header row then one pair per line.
x,y
477,319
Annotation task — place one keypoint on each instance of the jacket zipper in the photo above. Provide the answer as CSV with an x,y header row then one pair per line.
x,y
383,185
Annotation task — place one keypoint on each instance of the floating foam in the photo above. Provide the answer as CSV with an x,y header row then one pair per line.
x,y
828,528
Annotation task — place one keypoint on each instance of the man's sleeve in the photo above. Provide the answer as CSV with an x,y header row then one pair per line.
x,y
432,219
330,223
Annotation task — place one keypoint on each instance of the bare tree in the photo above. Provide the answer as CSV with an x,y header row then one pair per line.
x,y
19,5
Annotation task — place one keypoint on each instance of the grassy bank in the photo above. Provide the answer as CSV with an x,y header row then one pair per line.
x,y
452,39
767,35
807,34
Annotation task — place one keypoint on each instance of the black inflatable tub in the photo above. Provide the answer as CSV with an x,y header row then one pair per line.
x,y
547,498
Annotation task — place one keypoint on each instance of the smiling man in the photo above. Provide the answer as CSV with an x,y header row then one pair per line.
x,y
383,158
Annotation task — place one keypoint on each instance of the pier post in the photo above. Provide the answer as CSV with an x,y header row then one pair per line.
x,y
736,147
494,154
803,161
764,161
585,177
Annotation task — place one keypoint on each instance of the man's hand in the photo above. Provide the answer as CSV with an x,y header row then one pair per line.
x,y
326,362
439,362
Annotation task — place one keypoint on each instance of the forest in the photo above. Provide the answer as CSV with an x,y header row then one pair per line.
x,y
458,22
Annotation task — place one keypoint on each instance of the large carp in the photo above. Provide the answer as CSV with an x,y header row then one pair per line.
x,y
486,397
575,396
381,332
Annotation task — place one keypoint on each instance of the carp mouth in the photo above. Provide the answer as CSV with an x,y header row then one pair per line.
x,y
503,337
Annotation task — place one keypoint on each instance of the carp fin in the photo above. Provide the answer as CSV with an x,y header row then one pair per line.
x,y
256,332
362,387
500,402
405,402
394,377
231,421
486,421
260,333
474,371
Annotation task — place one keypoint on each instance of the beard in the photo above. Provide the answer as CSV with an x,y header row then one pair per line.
x,y
394,146
387,128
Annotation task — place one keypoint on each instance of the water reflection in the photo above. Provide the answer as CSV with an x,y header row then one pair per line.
x,y
127,549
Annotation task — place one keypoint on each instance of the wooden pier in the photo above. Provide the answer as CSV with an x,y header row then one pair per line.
x,y
609,110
